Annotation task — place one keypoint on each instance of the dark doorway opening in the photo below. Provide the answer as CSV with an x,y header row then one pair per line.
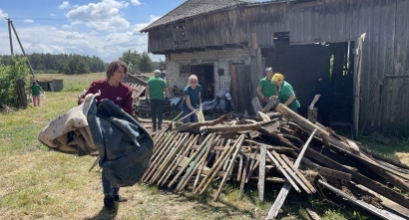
x,y
205,74
342,81
303,64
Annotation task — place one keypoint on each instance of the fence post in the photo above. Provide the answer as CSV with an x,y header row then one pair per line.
x,y
21,92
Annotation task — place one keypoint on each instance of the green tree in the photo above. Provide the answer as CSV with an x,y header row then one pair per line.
x,y
131,56
8,79
145,64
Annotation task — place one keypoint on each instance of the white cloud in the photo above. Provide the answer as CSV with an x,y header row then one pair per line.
x,y
66,26
64,5
136,2
104,15
67,39
53,15
139,27
28,21
3,14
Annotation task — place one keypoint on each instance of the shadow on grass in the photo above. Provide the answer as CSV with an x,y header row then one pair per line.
x,y
105,214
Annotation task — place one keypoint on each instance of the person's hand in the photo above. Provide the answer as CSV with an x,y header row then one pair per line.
x,y
311,107
148,101
167,98
264,100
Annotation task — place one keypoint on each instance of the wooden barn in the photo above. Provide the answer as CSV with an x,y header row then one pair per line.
x,y
362,44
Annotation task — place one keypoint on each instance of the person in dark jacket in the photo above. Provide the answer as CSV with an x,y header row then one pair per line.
x,y
114,89
323,99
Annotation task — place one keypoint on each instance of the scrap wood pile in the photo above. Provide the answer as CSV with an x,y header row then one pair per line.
x,y
286,149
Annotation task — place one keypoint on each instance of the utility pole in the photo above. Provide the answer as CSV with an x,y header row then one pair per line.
x,y
11,39
21,46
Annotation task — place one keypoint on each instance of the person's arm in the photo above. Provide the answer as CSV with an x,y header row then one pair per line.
x,y
166,92
317,95
290,100
147,92
188,104
315,100
259,92
127,104
91,90
200,99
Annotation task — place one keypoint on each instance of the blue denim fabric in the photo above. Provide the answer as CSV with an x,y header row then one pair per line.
x,y
107,185
191,119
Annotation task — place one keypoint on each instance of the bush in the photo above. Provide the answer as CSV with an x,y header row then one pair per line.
x,y
8,80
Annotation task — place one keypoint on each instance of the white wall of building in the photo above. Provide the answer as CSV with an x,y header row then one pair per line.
x,y
219,58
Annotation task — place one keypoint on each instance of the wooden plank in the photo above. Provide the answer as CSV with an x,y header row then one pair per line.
x,y
310,211
291,173
230,167
361,179
299,174
283,171
282,195
244,176
262,172
370,208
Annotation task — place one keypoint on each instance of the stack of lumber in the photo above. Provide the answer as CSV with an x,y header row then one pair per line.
x,y
144,108
285,149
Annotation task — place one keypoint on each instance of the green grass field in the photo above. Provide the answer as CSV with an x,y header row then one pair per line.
x,y
39,184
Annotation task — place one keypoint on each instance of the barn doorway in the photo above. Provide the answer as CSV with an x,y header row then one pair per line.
x,y
205,74
302,65
342,81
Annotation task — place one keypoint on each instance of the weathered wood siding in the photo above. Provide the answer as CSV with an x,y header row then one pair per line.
x,y
226,28
396,91
385,51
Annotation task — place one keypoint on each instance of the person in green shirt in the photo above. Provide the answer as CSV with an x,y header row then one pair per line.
x,y
286,92
156,92
35,93
266,87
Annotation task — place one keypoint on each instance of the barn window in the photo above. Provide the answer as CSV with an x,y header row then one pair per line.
x,y
184,70
179,33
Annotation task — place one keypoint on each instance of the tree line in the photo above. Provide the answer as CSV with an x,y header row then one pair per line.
x,y
142,60
61,63
78,64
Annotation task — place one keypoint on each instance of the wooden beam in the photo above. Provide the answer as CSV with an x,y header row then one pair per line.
x,y
282,170
262,172
278,203
370,208
214,47
233,46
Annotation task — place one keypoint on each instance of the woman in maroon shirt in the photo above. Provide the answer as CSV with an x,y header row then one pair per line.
x,y
114,89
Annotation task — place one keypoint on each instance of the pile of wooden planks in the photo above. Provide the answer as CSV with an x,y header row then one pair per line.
x,y
286,149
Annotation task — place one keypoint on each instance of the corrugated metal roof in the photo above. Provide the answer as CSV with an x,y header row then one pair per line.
x,y
192,8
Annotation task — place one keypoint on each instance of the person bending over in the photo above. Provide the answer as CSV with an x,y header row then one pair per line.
x,y
193,101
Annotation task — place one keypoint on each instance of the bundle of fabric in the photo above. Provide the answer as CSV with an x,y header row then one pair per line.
x,y
125,147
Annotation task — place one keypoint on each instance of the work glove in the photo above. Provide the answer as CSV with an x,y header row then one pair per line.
x,y
264,100
311,106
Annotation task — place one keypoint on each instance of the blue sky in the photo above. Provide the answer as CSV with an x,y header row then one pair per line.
x,y
104,28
